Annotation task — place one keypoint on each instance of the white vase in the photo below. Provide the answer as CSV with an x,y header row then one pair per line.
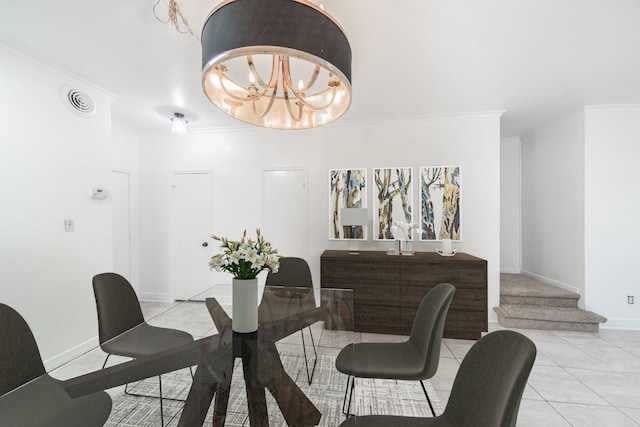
x,y
244,309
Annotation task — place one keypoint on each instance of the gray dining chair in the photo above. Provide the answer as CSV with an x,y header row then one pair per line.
x,y
292,272
415,359
30,397
123,330
486,392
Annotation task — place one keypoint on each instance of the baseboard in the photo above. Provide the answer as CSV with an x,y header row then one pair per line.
x,y
67,356
630,324
155,297
508,271
552,282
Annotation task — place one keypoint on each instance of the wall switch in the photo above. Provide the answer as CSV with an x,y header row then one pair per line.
x,y
68,225
630,299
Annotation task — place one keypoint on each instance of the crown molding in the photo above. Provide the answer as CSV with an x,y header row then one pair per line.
x,y
510,139
242,128
422,118
56,69
613,108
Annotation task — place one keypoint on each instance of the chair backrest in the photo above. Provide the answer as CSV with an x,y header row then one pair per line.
x,y
118,306
490,381
292,272
20,359
428,325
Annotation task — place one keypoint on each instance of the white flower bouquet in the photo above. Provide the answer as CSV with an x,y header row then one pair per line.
x,y
245,258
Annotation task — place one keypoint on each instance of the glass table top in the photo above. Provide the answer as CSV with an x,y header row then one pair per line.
x,y
272,376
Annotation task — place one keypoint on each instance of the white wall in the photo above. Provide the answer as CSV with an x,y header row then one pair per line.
x,y
236,158
553,203
580,208
49,158
612,203
510,213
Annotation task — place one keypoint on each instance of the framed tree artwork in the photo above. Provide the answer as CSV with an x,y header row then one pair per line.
x,y
440,203
347,189
392,200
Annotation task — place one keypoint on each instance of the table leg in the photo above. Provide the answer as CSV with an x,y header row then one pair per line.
x,y
295,406
199,399
222,393
256,397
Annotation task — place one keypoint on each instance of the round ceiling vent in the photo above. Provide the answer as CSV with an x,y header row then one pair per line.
x,y
79,101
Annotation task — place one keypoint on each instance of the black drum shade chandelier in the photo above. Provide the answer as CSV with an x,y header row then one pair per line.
x,y
281,64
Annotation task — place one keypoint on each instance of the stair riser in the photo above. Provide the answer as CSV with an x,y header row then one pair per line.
x,y
547,325
547,302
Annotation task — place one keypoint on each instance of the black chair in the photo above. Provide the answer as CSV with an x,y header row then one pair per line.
x,y
486,392
34,398
122,327
293,272
415,359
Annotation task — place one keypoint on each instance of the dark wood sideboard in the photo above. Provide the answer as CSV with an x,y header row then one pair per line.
x,y
387,289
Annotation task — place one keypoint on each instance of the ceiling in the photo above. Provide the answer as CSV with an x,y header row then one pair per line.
x,y
537,60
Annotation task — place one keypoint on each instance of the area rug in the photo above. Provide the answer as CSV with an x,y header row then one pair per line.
x,y
326,392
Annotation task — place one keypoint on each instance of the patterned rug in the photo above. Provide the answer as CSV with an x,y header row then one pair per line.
x,y
326,392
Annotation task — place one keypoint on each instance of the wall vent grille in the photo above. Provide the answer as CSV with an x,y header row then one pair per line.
x,y
79,101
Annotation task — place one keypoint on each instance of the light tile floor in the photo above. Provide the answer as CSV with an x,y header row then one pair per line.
x,y
579,379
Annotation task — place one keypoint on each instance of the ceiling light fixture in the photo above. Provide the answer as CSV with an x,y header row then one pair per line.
x,y
282,64
179,124
175,17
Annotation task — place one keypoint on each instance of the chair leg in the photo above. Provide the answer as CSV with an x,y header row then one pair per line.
x,y
161,406
162,399
105,361
315,351
433,412
351,379
129,393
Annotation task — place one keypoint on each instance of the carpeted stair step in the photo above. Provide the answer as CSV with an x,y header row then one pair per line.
x,y
517,289
545,295
548,318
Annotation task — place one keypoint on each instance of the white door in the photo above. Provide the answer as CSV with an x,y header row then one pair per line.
x,y
192,245
284,210
121,216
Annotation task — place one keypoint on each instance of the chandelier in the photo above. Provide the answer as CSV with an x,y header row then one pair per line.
x,y
281,64
174,17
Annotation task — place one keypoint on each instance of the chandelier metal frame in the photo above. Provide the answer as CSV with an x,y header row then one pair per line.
x,y
282,29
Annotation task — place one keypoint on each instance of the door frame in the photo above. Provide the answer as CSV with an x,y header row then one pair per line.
x,y
133,229
172,217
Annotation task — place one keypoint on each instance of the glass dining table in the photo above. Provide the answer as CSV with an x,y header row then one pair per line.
x,y
219,355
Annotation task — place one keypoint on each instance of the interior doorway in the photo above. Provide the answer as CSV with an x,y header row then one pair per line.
x,y
284,209
192,218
